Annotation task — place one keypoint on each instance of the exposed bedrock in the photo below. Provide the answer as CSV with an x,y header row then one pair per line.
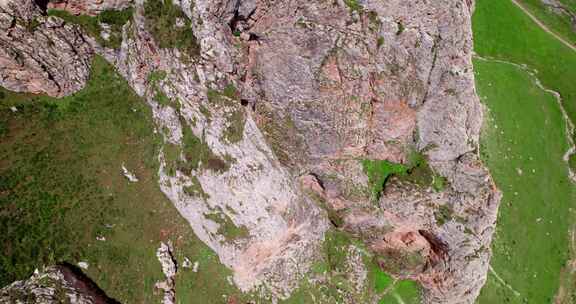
x,y
88,7
41,55
267,109
343,86
54,285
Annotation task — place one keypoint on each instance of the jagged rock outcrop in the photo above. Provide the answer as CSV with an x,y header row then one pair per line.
x,y
55,285
267,108
41,55
169,268
89,7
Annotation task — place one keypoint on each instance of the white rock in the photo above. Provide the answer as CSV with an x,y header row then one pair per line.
x,y
83,265
186,263
130,176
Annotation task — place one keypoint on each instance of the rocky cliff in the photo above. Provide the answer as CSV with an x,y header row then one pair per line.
x,y
55,284
273,114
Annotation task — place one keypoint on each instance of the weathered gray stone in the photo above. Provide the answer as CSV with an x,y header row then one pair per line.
x,y
89,7
55,285
41,55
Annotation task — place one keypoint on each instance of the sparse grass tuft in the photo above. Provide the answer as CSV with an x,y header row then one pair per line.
x,y
353,5
154,79
380,41
234,132
227,228
195,190
199,155
443,215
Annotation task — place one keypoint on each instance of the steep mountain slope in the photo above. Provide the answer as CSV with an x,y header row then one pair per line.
x,y
283,123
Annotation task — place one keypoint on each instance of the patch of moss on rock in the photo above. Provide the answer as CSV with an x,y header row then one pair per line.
x,y
198,154
227,228
195,190
443,215
378,172
353,5
416,171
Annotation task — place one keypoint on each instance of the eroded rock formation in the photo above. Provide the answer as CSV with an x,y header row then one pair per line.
x,y
41,55
55,285
267,108
89,7
169,268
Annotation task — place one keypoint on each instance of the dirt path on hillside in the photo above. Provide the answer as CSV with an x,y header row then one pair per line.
x,y
543,26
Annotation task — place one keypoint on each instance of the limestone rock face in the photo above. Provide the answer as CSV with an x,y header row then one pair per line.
x,y
368,85
90,7
41,55
54,285
275,113
169,268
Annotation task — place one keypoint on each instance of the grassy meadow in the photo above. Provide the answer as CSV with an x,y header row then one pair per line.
x,y
523,143
503,31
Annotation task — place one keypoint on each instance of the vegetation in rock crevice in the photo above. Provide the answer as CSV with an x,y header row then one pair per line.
x,y
331,279
416,171
235,115
198,154
170,27
226,227
154,79
93,27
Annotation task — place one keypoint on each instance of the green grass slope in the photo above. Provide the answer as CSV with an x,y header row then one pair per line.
x,y
61,188
503,31
523,143
525,152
